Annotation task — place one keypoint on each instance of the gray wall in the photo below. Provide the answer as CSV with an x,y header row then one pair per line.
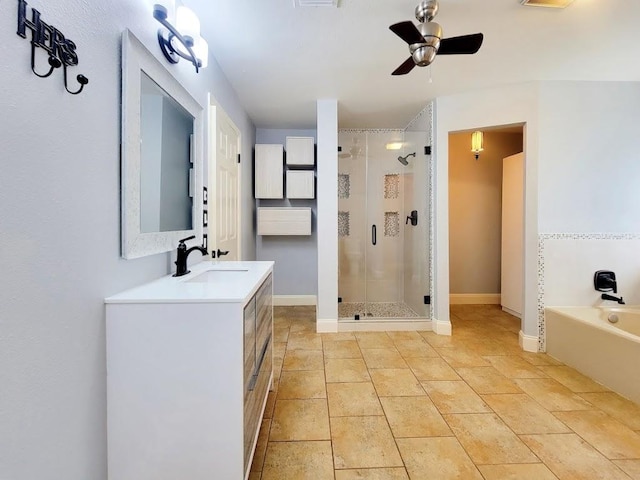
x,y
60,234
296,258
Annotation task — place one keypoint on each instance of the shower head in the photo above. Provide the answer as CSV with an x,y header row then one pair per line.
x,y
403,160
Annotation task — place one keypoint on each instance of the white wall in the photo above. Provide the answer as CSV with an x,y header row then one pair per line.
x,y
589,164
327,221
570,261
60,234
296,257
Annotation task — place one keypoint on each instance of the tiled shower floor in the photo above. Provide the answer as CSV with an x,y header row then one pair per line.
x,y
375,310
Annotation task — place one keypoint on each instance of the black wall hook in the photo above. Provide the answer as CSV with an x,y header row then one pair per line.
x,y
82,80
62,51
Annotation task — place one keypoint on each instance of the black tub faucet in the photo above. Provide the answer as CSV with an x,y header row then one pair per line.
x,y
605,281
183,254
606,296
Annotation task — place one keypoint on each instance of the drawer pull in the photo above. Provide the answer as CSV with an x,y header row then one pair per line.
x,y
254,377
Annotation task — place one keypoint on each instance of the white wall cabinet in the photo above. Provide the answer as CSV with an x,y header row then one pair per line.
x,y
269,171
300,151
284,221
187,384
301,184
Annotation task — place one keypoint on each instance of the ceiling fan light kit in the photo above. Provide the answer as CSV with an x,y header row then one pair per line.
x,y
546,3
425,40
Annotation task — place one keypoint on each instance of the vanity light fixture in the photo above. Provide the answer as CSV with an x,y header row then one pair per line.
x,y
183,40
61,50
477,143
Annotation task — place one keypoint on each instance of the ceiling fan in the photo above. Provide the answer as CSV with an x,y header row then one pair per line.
x,y
425,40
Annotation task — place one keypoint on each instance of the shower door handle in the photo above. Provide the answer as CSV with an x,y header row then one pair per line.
x,y
373,234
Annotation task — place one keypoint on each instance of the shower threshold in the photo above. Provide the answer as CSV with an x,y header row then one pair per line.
x,y
375,310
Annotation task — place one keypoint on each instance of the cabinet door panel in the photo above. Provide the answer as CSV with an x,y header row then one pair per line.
x,y
269,171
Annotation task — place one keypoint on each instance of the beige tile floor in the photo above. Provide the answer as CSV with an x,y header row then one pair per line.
x,y
414,405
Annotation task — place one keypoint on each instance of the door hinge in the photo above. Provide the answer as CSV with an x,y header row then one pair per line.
x,y
427,299
427,150
238,158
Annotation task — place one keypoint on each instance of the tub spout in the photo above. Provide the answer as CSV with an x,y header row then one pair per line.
x,y
606,296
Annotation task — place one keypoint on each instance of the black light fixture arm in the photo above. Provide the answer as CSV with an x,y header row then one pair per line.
x,y
165,40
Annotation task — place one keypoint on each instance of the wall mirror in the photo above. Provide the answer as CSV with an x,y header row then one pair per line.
x,y
161,155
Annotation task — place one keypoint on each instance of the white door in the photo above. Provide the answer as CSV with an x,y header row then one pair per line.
x,y
224,179
512,233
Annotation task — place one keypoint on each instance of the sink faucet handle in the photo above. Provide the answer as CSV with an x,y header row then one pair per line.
x,y
187,239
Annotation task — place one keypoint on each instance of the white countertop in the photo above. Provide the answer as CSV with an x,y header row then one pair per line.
x,y
238,287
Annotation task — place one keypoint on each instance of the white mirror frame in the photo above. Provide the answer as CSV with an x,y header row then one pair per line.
x,y
136,59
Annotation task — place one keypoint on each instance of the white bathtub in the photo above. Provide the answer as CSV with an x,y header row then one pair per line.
x,y
586,339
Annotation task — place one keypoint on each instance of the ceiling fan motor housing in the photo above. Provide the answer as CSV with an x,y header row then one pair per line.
x,y
424,53
426,10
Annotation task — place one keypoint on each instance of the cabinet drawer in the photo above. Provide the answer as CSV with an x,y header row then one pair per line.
x,y
249,340
264,314
253,405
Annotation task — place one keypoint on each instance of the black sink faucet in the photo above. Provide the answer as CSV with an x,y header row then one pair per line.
x,y
183,254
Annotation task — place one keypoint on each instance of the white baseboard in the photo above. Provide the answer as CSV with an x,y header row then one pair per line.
x,y
528,343
326,325
441,327
384,325
474,299
512,312
292,300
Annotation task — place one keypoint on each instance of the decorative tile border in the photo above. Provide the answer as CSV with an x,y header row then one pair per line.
x,y
370,130
429,111
542,239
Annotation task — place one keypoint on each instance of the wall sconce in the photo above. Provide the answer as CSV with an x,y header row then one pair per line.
x,y
61,50
183,40
477,143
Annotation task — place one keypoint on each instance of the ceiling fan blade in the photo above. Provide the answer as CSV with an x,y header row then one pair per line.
x,y
465,44
405,68
407,31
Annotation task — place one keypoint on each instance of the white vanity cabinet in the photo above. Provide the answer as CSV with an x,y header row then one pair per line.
x,y
189,366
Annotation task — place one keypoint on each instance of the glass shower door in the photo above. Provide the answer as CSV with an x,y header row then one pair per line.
x,y
352,203
383,267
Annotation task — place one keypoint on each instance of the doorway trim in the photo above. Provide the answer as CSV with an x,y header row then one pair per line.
x,y
514,104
